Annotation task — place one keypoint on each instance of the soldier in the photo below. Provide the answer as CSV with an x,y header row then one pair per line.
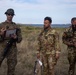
x,y
48,47
69,38
12,53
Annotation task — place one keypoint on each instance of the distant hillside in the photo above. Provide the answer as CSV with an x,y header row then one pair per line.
x,y
53,25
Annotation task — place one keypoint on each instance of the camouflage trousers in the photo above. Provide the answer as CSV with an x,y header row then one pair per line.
x,y
72,60
49,61
11,58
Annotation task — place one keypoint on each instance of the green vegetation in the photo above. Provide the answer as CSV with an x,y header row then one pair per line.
x,y
27,55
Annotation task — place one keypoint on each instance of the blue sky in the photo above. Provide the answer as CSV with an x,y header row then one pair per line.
x,y
34,11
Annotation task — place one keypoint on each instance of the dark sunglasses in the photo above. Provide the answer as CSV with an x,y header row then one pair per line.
x,y
10,14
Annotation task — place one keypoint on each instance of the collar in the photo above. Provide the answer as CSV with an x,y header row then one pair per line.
x,y
8,22
48,29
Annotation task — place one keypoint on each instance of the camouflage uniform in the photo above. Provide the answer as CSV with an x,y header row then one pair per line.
x,y
69,37
12,54
48,46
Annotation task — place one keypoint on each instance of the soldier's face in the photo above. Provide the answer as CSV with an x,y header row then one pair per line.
x,y
46,24
74,25
9,17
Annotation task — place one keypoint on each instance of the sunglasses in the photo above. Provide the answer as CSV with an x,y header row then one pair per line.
x,y
10,14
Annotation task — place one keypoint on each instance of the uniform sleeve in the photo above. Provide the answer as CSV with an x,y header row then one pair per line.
x,y
19,36
66,40
57,43
38,46
1,36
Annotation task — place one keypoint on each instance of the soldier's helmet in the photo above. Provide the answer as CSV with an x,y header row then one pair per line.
x,y
10,11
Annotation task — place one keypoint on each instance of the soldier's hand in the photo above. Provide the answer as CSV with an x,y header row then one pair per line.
x,y
14,36
57,55
38,55
2,31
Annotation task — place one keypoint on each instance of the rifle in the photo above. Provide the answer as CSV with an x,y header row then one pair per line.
x,y
38,67
8,46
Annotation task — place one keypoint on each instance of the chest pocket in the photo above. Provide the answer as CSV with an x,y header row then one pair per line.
x,y
51,39
43,39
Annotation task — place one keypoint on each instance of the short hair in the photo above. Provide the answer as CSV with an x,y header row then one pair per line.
x,y
48,18
73,19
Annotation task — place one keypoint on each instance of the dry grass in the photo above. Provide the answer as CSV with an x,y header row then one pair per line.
x,y
27,56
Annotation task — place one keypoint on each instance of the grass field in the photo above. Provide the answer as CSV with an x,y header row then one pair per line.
x,y
27,55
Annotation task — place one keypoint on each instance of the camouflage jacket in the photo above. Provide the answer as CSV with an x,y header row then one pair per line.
x,y
48,42
69,37
11,25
